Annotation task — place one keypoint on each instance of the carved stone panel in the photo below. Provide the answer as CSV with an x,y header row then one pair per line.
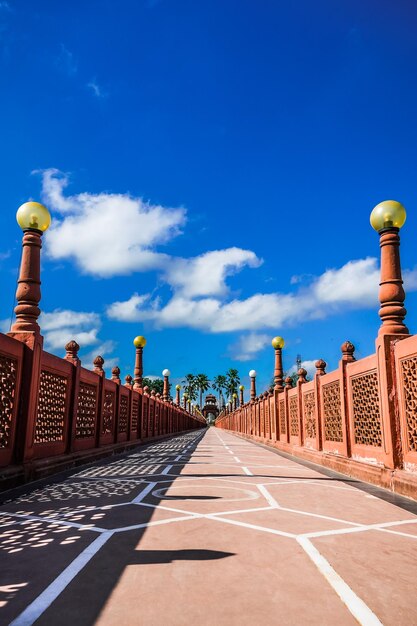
x,y
409,380
151,418
8,370
135,413
309,404
51,408
123,414
108,412
294,425
332,412
85,424
366,416
282,420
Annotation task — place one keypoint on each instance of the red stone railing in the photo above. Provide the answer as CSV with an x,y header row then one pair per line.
x,y
55,413
360,419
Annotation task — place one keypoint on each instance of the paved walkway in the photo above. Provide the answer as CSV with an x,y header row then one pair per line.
x,y
207,529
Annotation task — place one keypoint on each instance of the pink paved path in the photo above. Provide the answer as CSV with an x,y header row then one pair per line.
x,y
207,529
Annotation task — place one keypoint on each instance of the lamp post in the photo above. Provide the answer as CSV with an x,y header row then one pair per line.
x,y
241,390
166,374
139,342
184,399
278,343
387,218
34,219
234,401
252,375
177,399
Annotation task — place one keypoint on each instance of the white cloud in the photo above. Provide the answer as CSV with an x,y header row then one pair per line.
x,y
205,275
60,326
66,62
67,319
354,285
247,347
107,234
307,365
96,89
127,311
356,282
113,234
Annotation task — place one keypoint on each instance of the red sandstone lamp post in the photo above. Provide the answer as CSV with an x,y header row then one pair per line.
x,y
34,219
184,399
278,343
177,399
139,342
166,374
234,401
252,375
241,390
387,218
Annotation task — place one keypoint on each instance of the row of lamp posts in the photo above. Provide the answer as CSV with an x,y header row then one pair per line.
x,y
386,218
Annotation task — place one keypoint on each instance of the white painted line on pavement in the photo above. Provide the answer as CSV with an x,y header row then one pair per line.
x,y
268,496
45,599
247,471
143,493
354,603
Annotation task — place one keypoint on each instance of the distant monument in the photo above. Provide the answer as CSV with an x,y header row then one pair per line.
x,y
210,409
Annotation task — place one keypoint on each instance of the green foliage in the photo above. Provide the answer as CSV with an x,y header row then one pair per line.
x,y
219,385
157,385
202,383
232,381
190,387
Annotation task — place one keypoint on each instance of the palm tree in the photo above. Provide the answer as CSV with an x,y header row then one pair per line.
x,y
202,384
232,381
190,386
219,383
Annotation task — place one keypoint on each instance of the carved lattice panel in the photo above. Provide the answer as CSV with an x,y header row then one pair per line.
x,y
51,407
144,418
262,418
409,380
282,420
309,403
366,416
267,423
294,425
332,411
108,412
123,414
85,424
135,413
157,412
8,371
151,418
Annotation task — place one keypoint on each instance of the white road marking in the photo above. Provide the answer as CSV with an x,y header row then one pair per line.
x,y
247,471
45,599
360,611
143,493
274,504
237,460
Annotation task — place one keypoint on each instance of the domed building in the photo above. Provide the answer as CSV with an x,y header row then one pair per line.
x,y
210,409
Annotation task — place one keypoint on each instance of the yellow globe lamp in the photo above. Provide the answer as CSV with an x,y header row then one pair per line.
x,y
388,214
33,216
235,395
139,342
178,387
278,343
241,387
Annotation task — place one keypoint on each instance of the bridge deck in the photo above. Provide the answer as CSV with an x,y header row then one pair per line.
x,y
206,528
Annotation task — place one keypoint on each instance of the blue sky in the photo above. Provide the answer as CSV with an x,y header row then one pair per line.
x,y
210,168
